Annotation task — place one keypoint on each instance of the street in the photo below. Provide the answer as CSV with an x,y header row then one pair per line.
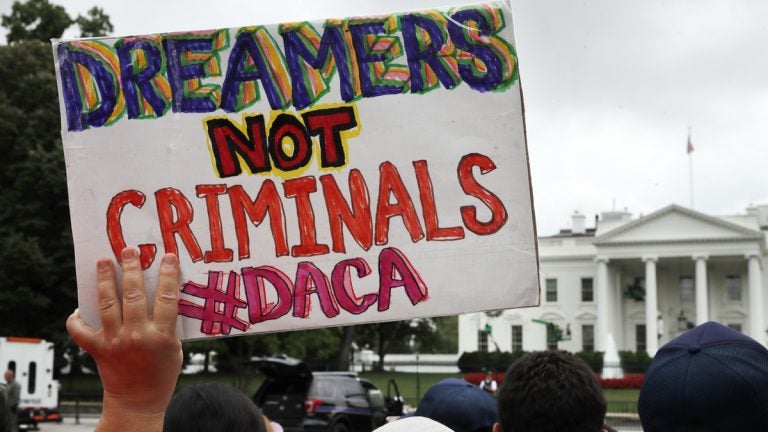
x,y
68,425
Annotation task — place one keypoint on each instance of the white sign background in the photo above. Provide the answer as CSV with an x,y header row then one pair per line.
x,y
476,273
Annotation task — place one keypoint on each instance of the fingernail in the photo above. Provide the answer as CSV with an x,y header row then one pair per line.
x,y
169,260
129,254
102,265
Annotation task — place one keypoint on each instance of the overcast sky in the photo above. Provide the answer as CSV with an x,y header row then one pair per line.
x,y
610,88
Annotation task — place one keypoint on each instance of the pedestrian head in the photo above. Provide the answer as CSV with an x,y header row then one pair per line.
x,y
550,391
459,405
212,407
710,378
9,375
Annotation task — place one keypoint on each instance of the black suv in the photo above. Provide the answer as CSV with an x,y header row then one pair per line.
x,y
301,400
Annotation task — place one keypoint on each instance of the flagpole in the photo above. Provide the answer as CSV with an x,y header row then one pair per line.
x,y
690,165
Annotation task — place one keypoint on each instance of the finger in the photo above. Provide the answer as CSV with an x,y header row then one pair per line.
x,y
85,336
110,312
134,297
167,296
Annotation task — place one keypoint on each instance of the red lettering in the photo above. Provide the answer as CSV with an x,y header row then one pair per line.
x,y
473,188
170,200
311,280
286,126
300,188
328,123
342,286
218,252
392,263
115,228
228,143
391,183
428,208
266,202
259,309
358,221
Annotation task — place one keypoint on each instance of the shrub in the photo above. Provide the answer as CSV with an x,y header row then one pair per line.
x,y
480,361
593,359
632,381
634,362
476,377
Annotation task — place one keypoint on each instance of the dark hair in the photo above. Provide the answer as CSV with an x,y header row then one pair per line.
x,y
551,391
212,407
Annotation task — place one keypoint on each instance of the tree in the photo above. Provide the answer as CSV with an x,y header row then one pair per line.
x,y
97,23
37,283
35,20
398,337
37,272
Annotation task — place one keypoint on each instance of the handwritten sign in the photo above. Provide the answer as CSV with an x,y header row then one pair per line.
x,y
306,174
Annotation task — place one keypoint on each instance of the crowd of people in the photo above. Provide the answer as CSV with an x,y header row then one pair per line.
x,y
711,378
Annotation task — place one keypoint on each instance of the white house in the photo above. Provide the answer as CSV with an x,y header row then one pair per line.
x,y
642,280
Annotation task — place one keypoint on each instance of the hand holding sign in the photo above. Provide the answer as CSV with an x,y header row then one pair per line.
x,y
139,356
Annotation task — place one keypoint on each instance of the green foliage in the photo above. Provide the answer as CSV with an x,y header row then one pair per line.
x,y
423,335
444,339
37,279
634,361
37,273
479,361
97,23
593,359
35,20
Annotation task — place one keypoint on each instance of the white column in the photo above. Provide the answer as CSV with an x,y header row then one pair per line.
x,y
756,327
702,293
601,297
651,306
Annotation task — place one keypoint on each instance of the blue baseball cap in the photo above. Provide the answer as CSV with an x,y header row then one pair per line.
x,y
459,405
711,378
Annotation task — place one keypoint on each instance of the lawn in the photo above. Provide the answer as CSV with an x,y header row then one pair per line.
x,y
412,386
626,395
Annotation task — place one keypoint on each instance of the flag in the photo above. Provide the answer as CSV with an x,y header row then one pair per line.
x,y
689,150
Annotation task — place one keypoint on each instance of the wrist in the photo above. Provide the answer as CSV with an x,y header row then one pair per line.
x,y
120,415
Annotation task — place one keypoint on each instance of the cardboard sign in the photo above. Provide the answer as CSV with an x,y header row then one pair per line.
x,y
306,174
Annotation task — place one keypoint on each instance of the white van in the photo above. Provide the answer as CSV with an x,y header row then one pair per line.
x,y
32,361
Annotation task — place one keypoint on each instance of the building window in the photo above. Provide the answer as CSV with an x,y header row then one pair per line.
x,y
588,338
551,290
587,290
733,288
551,338
32,378
686,289
517,338
482,341
735,326
640,337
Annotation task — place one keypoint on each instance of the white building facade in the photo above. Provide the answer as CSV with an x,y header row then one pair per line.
x,y
640,281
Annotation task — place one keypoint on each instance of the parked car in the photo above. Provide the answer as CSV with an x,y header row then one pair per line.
x,y
302,400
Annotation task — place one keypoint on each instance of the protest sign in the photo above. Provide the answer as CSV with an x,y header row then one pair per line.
x,y
307,174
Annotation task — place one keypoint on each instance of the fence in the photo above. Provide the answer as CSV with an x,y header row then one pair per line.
x,y
80,405
623,416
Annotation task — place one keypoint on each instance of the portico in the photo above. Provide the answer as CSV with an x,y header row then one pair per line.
x,y
685,268
642,281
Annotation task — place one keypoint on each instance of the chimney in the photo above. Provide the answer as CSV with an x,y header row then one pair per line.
x,y
578,223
